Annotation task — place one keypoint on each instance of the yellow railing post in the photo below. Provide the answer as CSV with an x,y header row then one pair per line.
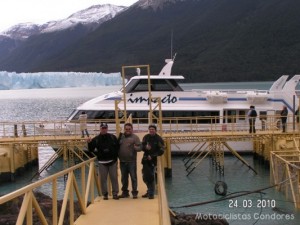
x,y
164,218
29,200
168,158
54,202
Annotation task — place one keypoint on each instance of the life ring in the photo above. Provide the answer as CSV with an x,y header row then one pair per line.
x,y
221,188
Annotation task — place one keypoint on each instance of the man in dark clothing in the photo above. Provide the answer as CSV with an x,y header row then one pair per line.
x,y
105,146
283,116
252,114
153,146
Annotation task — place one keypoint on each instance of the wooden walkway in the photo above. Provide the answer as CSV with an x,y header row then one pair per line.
x,y
141,211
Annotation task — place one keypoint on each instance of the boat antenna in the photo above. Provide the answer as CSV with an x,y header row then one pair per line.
x,y
171,44
172,57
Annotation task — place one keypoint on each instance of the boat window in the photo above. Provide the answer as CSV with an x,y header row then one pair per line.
x,y
206,116
163,85
131,86
175,85
263,115
234,116
156,85
76,117
139,116
70,117
142,116
168,114
229,116
94,115
242,115
142,86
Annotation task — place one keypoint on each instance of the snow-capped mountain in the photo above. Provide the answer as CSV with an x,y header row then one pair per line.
x,y
94,15
22,30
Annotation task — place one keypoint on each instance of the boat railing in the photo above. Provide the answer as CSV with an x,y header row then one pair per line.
x,y
80,184
48,128
219,124
229,91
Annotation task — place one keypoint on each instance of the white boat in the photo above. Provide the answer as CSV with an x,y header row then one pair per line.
x,y
224,109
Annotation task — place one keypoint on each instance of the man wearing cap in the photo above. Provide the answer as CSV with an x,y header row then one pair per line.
x,y
153,146
105,146
252,114
130,144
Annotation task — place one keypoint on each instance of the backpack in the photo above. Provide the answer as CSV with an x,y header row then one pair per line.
x,y
253,113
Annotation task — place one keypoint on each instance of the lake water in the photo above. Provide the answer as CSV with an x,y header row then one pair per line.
x,y
58,103
50,104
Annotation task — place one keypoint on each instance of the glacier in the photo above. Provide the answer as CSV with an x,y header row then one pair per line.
x,y
13,80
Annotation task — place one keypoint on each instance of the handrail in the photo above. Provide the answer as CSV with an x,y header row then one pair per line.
x,y
285,166
86,192
170,124
164,215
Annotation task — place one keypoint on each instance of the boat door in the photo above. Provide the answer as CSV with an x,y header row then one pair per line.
x,y
234,115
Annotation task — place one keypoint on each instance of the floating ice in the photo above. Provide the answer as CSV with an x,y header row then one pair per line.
x,y
12,80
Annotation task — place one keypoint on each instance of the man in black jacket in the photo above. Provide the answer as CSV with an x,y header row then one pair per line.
x,y
284,114
105,146
153,146
252,114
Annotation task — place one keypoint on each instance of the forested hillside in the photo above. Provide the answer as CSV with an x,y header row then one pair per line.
x,y
215,40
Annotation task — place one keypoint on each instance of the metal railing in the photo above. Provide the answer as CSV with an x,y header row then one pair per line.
x,y
285,170
82,186
46,128
164,215
169,124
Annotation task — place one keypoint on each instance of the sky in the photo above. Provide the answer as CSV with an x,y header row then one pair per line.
x,y
13,12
